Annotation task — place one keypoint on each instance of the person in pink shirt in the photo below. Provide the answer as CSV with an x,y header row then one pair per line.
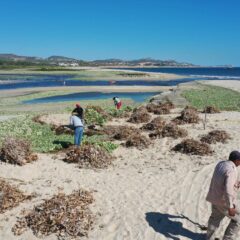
x,y
223,197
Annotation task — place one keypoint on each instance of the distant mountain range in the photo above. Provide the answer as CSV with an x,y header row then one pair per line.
x,y
66,61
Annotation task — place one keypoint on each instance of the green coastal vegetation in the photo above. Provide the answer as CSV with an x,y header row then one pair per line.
x,y
222,98
44,139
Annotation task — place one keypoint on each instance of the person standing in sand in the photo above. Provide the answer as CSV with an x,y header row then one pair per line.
x,y
223,197
117,102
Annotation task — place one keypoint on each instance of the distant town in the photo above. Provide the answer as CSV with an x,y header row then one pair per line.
x,y
12,60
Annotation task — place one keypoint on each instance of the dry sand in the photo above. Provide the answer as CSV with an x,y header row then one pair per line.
x,y
146,195
231,84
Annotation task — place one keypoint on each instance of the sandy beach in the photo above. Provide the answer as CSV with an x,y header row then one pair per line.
x,y
153,193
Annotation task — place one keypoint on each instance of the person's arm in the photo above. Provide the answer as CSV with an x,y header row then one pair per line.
x,y
71,120
230,180
74,110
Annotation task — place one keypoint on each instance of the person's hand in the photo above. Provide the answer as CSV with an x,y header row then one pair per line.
x,y
232,212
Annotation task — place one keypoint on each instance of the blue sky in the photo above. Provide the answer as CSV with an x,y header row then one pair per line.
x,y
199,31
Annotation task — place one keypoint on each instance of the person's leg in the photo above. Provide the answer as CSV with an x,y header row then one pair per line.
x,y
80,136
76,136
214,222
231,231
233,227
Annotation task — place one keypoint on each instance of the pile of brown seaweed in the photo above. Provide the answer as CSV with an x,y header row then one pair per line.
x,y
67,216
161,108
16,151
10,196
190,146
140,115
89,156
156,124
211,110
169,130
137,140
188,115
124,132
216,136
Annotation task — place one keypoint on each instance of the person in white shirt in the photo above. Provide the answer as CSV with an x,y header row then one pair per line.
x,y
223,197
77,123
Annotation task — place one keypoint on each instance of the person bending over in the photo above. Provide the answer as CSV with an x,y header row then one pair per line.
x,y
77,124
117,102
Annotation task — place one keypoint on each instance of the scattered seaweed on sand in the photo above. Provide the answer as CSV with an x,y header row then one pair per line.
x,y
188,115
10,196
140,115
161,108
16,151
62,130
169,130
190,146
137,140
216,136
89,156
67,216
211,110
156,124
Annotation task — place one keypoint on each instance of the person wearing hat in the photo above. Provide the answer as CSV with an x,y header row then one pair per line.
x,y
223,197
78,110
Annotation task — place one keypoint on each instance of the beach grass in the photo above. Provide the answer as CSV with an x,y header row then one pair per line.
x,y
42,138
206,95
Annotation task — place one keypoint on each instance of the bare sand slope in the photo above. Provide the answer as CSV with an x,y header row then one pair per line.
x,y
151,194
232,84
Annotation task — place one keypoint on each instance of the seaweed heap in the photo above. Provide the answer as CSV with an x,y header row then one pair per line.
x,y
216,136
161,108
137,140
10,196
89,156
16,151
140,115
123,132
190,146
67,216
169,130
188,115
211,110
156,124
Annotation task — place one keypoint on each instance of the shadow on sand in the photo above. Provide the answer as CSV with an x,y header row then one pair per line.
x,y
63,143
163,224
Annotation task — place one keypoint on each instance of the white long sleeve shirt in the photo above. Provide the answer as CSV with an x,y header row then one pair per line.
x,y
76,121
224,185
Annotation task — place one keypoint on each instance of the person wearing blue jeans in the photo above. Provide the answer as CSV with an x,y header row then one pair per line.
x,y
78,134
77,123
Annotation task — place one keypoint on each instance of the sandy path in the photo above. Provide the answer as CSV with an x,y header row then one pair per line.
x,y
152,194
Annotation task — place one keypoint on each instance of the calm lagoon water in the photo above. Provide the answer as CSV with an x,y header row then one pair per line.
x,y
135,96
31,81
14,81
